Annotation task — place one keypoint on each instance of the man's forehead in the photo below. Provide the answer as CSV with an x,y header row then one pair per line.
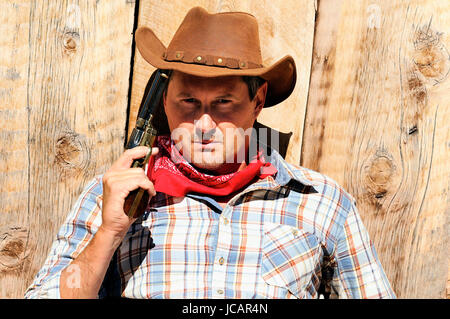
x,y
192,81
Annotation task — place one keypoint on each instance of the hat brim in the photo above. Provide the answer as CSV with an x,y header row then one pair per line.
x,y
281,76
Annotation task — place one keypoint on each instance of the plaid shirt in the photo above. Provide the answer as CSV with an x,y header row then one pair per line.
x,y
268,242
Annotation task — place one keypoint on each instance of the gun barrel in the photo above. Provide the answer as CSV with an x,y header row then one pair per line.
x,y
154,95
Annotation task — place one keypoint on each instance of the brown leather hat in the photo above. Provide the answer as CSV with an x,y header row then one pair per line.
x,y
220,44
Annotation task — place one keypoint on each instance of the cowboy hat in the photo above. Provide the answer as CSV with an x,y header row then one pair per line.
x,y
221,44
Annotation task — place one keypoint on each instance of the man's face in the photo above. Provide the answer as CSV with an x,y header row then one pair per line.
x,y
208,118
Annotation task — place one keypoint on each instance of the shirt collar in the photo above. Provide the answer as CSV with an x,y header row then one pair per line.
x,y
287,172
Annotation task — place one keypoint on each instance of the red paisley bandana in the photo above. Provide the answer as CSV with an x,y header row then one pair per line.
x,y
173,175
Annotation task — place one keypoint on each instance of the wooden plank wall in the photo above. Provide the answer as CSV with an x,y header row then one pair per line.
x,y
371,90
377,122
64,78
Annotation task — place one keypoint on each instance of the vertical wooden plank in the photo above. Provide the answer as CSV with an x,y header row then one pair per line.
x,y
377,121
14,166
68,63
13,111
285,27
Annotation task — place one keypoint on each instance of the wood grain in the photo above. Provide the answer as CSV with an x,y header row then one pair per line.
x,y
63,94
285,27
377,122
373,80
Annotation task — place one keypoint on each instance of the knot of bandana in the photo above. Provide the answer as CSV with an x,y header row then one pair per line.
x,y
173,175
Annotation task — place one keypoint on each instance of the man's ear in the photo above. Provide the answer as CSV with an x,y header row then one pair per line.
x,y
260,98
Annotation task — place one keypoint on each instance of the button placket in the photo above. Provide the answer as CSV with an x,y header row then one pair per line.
x,y
223,241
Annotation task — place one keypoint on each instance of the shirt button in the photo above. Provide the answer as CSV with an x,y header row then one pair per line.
x,y
220,291
295,232
221,260
225,221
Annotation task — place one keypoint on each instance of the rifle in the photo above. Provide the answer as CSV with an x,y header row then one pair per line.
x,y
144,134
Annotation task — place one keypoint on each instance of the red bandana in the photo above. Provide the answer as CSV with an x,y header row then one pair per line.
x,y
173,175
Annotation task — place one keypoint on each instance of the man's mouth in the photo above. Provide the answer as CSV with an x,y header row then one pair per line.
x,y
207,145
206,141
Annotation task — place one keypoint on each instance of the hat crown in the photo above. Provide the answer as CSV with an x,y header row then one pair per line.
x,y
228,34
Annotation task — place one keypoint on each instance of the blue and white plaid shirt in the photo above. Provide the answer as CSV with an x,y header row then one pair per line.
x,y
268,242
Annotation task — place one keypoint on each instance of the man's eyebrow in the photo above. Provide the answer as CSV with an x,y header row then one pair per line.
x,y
225,96
183,94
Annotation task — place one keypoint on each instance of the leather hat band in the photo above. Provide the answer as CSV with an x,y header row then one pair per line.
x,y
217,61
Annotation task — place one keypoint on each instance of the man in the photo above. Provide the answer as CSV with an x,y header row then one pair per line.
x,y
226,218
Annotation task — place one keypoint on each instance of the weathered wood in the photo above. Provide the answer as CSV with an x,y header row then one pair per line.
x,y
64,78
377,115
285,27
377,122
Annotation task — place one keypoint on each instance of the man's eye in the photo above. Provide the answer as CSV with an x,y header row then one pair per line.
x,y
191,100
223,101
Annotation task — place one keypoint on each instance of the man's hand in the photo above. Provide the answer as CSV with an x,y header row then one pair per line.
x,y
91,265
118,182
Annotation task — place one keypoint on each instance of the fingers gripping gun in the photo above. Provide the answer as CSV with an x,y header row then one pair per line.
x,y
144,134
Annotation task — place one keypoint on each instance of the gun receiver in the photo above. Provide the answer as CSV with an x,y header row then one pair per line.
x,y
144,134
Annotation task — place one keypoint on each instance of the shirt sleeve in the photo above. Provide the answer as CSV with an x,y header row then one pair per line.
x,y
74,235
358,272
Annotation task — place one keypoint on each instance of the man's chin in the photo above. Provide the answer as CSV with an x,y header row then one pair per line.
x,y
212,161
208,166
217,167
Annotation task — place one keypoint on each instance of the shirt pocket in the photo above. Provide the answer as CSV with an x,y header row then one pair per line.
x,y
290,258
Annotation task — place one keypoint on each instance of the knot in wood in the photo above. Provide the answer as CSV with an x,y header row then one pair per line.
x,y
12,248
379,173
431,57
71,41
71,153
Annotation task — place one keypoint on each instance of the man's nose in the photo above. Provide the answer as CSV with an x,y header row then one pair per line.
x,y
205,124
